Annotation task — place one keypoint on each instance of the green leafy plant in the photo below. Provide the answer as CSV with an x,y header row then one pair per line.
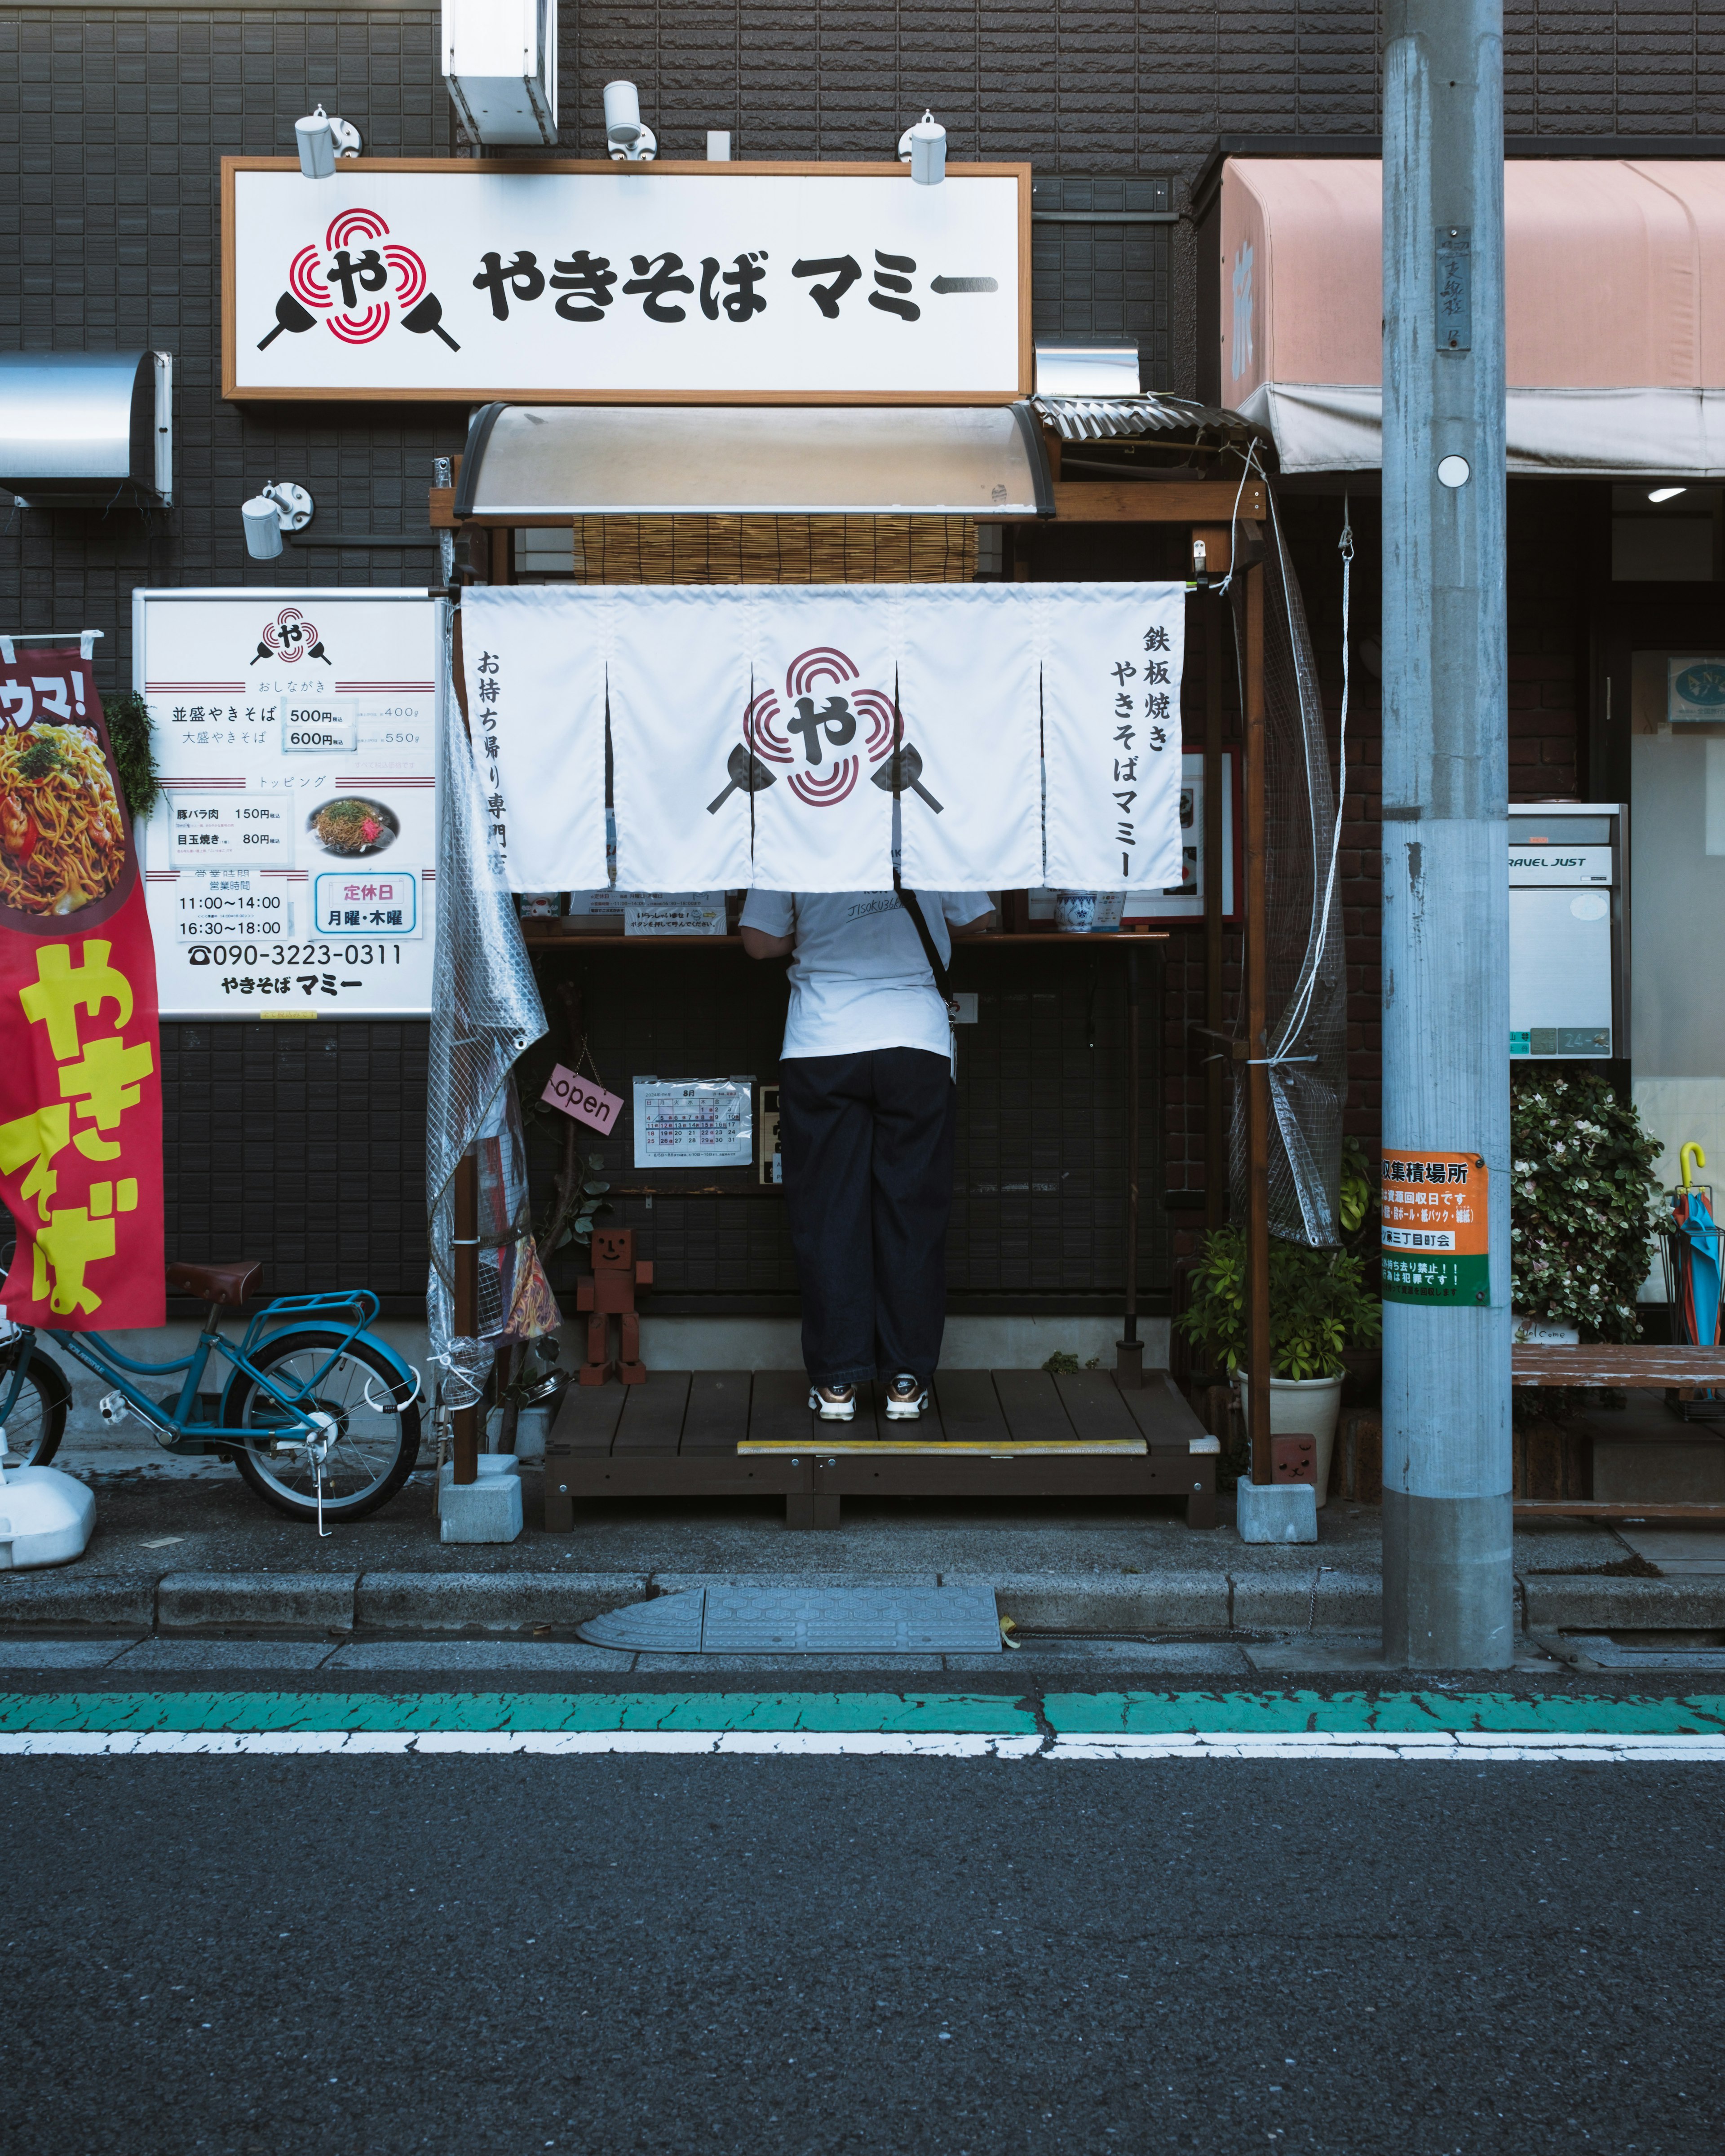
x,y
1061,1364
1581,1192
1319,1304
1359,1189
128,719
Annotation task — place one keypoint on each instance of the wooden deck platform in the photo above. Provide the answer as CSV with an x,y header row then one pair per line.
x,y
987,1434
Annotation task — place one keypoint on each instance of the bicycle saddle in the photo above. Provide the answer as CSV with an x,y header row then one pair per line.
x,y
229,1284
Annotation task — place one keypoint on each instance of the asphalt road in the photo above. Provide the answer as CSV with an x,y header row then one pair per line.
x,y
356,1955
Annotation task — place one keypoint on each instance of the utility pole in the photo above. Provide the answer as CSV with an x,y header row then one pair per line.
x,y
1448,1585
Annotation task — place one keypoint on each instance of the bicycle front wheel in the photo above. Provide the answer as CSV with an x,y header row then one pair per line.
x,y
377,1439
35,1422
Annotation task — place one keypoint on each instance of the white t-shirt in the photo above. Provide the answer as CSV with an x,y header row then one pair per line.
x,y
860,979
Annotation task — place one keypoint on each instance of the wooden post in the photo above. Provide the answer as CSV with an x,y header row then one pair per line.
x,y
1215,1074
465,1269
1257,1045
1129,1349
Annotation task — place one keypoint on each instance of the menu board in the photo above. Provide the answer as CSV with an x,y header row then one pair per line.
x,y
290,863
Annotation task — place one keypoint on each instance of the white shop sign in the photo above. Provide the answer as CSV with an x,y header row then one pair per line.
x,y
288,863
585,283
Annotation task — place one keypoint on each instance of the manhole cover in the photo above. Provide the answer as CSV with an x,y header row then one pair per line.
x,y
805,1621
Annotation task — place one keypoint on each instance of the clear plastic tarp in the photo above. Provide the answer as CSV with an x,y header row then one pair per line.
x,y
485,1011
1307,979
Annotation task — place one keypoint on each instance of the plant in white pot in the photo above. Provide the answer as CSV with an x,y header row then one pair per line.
x,y
1319,1305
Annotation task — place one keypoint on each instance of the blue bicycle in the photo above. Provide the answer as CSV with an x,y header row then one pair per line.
x,y
319,1416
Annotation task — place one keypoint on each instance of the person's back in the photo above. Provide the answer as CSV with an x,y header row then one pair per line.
x,y
866,1109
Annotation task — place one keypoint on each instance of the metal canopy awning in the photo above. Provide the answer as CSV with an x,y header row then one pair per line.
x,y
537,460
1614,311
81,429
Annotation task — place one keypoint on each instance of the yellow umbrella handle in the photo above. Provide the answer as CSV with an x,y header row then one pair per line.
x,y
1695,1153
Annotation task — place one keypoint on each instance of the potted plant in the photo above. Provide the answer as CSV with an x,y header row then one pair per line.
x,y
1582,1198
1319,1306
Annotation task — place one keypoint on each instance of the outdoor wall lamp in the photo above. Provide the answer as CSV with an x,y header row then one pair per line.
x,y
923,148
322,139
279,508
626,136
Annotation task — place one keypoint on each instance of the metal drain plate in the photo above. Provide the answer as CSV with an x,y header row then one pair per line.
x,y
805,1621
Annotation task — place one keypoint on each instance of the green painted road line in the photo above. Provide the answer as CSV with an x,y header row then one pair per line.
x,y
1127,1714
204,1712
1280,1713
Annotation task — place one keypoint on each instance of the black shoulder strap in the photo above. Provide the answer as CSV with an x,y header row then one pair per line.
x,y
913,906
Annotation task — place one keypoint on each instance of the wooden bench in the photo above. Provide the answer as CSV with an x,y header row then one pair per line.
x,y
986,1434
1679,1370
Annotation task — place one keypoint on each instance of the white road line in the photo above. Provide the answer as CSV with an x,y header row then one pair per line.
x,y
1466,1745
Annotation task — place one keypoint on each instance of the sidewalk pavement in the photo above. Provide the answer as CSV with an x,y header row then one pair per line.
x,y
196,1554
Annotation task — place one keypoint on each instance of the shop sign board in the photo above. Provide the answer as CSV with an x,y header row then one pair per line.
x,y
583,282
289,865
1433,1239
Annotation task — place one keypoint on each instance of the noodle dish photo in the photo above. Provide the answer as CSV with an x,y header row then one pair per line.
x,y
63,839
350,825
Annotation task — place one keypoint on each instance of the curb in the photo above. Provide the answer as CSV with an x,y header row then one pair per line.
x,y
1595,1602
66,1600
300,1601
489,1601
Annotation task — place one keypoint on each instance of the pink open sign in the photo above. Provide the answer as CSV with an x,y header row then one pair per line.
x,y
580,1097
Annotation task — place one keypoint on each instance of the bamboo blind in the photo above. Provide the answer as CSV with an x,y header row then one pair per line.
x,y
774,550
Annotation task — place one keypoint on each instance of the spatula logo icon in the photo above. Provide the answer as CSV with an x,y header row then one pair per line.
x,y
352,284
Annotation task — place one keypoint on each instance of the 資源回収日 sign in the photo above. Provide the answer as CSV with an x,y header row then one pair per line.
x,y
1434,1246
290,863
588,283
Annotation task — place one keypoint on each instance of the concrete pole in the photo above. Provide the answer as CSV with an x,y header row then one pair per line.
x,y
1448,1587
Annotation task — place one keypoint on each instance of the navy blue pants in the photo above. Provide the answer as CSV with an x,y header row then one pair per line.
x,y
866,1143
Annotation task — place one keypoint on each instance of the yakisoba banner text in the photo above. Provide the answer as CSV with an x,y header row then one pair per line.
x,y
759,734
80,1086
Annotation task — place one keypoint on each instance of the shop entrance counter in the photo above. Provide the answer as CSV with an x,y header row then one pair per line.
x,y
986,1434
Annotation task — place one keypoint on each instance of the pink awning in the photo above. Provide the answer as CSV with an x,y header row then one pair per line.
x,y
1615,279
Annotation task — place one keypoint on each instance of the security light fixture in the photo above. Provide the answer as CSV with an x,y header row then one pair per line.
x,y
1665,493
627,137
923,148
322,139
277,508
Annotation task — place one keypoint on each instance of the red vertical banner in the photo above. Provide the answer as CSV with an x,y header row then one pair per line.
x,y
80,1079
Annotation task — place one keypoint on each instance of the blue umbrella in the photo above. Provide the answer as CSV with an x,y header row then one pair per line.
x,y
1697,1250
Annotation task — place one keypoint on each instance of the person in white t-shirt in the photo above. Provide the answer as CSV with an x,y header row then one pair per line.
x,y
865,1130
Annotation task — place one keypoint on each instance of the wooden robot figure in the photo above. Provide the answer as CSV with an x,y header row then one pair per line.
x,y
611,1293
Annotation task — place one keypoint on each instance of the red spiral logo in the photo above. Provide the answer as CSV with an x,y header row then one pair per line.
x,y
306,277
823,664
290,636
757,730
876,707
363,328
410,279
826,793
349,224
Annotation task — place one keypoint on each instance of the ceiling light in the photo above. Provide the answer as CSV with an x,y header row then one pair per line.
x,y
1666,493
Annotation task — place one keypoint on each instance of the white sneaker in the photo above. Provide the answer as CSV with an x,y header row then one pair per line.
x,y
833,1403
906,1397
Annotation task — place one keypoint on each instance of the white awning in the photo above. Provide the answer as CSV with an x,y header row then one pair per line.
x,y
1615,282
731,459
